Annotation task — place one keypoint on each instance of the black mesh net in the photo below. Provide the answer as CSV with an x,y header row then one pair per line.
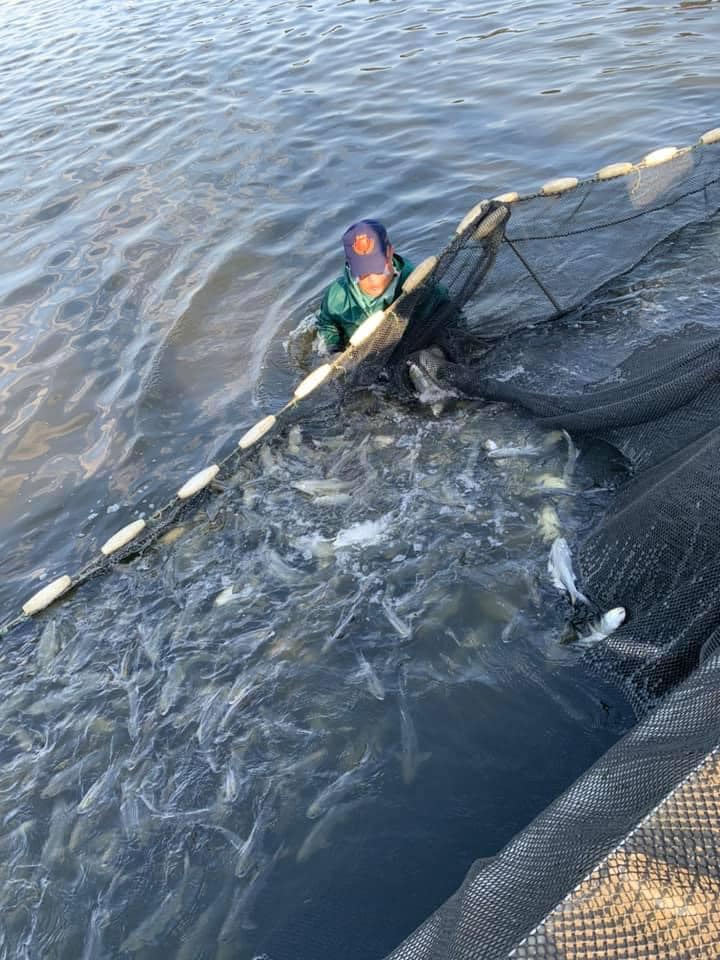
x,y
653,553
658,897
560,247
625,863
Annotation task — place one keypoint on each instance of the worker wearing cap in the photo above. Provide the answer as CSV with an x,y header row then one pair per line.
x,y
373,278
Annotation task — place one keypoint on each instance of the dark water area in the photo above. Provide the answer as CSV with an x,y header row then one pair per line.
x,y
289,731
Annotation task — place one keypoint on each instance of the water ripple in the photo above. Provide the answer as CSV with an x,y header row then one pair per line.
x,y
174,180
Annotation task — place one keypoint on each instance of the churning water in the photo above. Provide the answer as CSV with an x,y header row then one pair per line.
x,y
289,728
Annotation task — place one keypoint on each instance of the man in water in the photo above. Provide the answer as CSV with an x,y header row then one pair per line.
x,y
373,278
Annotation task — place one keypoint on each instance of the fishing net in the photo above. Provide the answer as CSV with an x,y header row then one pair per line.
x,y
622,866
570,238
515,262
625,864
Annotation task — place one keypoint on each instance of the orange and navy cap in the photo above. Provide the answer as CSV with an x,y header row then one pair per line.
x,y
366,248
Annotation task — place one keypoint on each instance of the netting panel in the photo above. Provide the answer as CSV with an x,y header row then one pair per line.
x,y
501,902
558,249
656,895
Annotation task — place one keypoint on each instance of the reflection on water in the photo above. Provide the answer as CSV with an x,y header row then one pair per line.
x,y
290,727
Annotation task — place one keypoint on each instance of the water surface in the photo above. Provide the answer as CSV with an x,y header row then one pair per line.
x,y
174,180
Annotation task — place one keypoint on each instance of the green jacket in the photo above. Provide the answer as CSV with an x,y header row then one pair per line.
x,y
345,306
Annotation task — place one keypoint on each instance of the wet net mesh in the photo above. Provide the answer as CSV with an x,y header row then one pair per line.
x,y
626,863
560,247
608,870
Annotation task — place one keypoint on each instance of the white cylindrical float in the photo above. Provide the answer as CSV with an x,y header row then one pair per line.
x,y
712,136
419,274
122,537
367,328
559,185
312,381
661,155
490,223
198,482
612,170
255,433
43,598
511,197
470,216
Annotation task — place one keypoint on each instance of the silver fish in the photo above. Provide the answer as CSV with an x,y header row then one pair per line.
x,y
129,813
403,628
337,790
295,439
346,619
171,688
198,941
48,644
367,672
154,929
99,920
230,785
69,777
571,457
410,757
55,846
240,913
318,838
133,720
249,851
561,571
510,453
323,488
429,391
602,628
99,791
209,718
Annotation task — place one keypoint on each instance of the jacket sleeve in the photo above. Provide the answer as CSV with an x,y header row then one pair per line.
x,y
327,323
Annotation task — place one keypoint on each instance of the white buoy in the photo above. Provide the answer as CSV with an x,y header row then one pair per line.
x,y
367,328
661,155
198,482
43,598
255,433
470,216
560,185
419,273
122,537
511,197
490,223
313,381
712,136
612,170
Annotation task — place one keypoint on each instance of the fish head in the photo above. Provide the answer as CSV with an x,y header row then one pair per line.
x,y
613,618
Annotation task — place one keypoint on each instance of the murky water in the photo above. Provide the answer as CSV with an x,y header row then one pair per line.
x,y
290,731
